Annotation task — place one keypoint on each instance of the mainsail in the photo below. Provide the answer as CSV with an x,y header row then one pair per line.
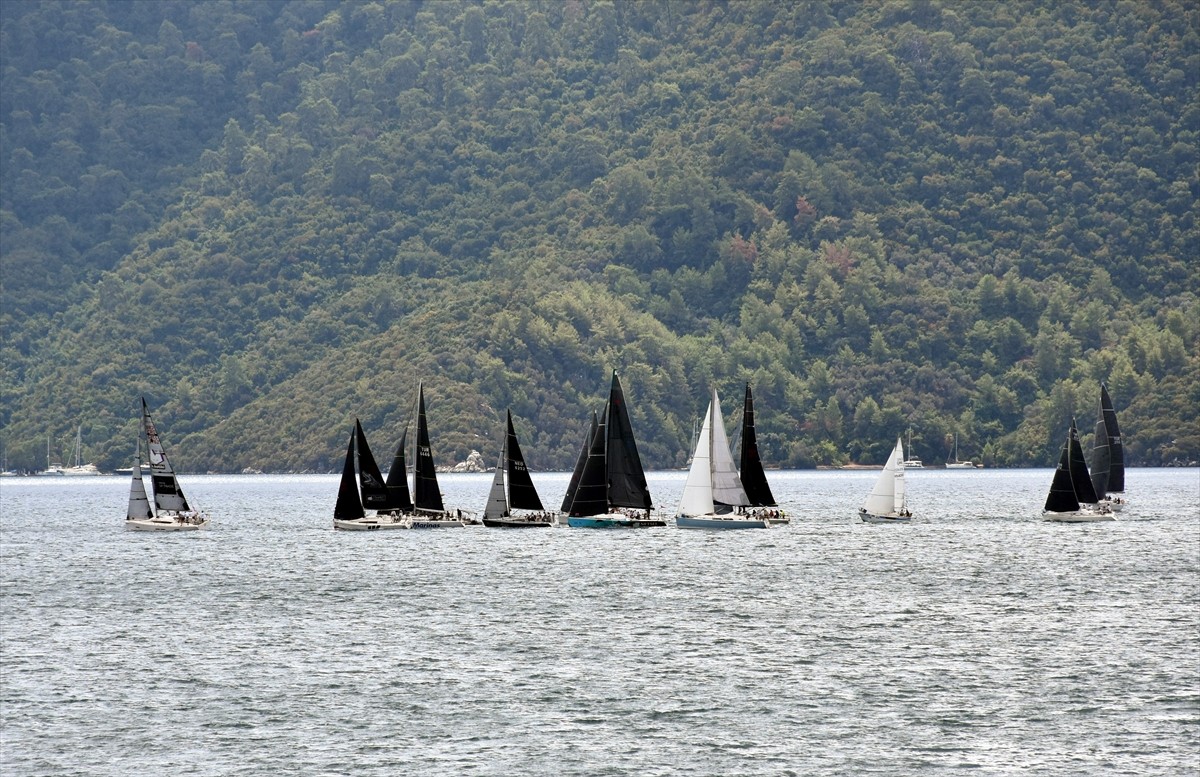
x,y
1061,498
1080,480
348,506
712,484
1115,482
397,480
167,493
754,480
887,497
626,478
521,493
426,493
569,497
139,505
374,492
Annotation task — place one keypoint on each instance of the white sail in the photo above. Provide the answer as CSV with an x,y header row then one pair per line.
x,y
697,496
497,502
726,484
139,505
887,498
896,462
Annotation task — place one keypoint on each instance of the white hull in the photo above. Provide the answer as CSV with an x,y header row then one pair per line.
x,y
1116,505
887,518
1079,516
720,522
170,523
377,522
960,465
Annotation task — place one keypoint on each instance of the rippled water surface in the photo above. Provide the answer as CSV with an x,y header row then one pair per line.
x,y
978,639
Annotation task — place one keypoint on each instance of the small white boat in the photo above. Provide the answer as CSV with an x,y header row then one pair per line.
x,y
954,463
888,501
912,462
171,511
713,495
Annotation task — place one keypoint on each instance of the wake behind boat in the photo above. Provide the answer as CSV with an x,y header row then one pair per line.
x,y
713,495
611,491
171,511
888,502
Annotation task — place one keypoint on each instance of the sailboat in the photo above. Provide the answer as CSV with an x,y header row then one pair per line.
x,y
389,499
1072,498
79,468
750,467
955,463
366,503
513,489
171,509
713,495
912,462
887,502
1108,455
611,490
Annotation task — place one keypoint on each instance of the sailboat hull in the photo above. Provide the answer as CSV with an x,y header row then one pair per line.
x,y
720,522
170,523
612,521
1078,516
873,518
373,523
519,522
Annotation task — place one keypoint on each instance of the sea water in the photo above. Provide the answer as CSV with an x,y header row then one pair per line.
x,y
977,639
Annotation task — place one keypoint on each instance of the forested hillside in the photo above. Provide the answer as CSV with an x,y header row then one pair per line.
x,y
271,217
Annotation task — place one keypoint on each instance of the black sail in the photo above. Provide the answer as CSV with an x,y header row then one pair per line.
x,y
348,507
626,478
1061,498
397,480
569,497
428,496
521,492
1101,459
1116,449
1080,478
591,492
374,492
754,480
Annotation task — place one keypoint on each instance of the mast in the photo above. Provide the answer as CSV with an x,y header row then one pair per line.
x,y
727,488
397,480
374,492
1080,479
591,492
167,493
1061,498
426,493
139,505
522,495
697,496
497,504
348,506
569,497
1116,448
754,480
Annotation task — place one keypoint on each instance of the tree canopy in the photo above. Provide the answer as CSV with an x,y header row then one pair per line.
x,y
269,218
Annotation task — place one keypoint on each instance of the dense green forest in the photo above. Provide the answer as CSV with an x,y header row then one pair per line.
x,y
269,218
